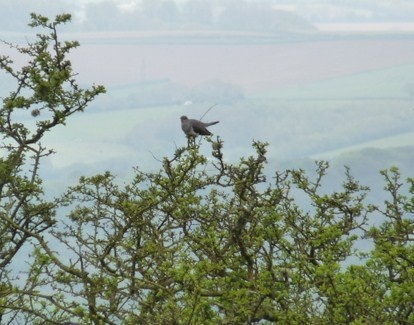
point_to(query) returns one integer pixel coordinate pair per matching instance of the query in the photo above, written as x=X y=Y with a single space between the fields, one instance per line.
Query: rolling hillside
x=317 y=99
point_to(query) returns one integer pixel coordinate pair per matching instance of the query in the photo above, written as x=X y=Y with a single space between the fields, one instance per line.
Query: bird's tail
x=212 y=123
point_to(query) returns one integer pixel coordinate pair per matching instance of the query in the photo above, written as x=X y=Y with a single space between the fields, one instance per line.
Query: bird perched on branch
x=193 y=127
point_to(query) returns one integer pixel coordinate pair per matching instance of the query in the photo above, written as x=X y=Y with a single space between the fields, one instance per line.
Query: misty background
x=316 y=80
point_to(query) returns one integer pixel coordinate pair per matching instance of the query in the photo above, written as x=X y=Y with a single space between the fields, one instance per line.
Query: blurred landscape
x=280 y=73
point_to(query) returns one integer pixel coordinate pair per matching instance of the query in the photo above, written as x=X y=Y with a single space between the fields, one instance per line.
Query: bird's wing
x=199 y=127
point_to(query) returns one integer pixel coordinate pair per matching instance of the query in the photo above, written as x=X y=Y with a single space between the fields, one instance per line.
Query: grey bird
x=193 y=127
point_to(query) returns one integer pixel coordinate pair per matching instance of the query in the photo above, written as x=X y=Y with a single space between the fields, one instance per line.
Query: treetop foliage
x=200 y=241
x=46 y=88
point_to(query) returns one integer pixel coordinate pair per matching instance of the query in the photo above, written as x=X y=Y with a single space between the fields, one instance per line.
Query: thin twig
x=208 y=111
x=153 y=156
x=199 y=141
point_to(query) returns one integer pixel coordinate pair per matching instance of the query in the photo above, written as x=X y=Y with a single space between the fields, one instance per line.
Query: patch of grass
x=394 y=141
x=389 y=83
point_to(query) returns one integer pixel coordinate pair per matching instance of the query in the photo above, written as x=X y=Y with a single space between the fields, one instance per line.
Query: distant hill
x=253 y=63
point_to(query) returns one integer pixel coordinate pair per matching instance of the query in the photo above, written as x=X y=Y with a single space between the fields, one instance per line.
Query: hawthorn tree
x=200 y=241
x=47 y=92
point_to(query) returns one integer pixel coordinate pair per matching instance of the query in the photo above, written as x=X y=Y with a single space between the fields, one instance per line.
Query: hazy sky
x=14 y=15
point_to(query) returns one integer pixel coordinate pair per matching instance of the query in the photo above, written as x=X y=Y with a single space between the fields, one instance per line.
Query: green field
x=388 y=83
x=382 y=94
x=403 y=140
